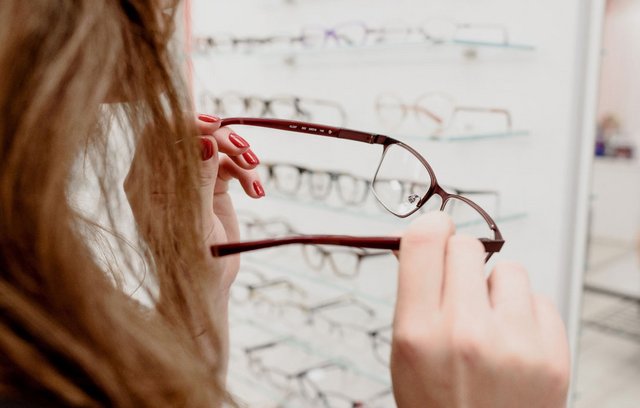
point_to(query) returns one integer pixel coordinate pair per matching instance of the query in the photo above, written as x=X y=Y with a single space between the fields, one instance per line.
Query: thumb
x=208 y=171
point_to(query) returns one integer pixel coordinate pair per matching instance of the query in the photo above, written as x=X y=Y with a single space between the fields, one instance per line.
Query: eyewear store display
x=359 y=34
x=317 y=281
x=432 y=116
x=283 y=107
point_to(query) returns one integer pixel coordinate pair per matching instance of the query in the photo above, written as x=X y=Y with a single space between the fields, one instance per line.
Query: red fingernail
x=208 y=118
x=207 y=149
x=257 y=187
x=238 y=141
x=251 y=157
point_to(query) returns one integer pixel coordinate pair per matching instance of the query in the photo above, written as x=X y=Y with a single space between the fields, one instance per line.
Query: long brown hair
x=68 y=330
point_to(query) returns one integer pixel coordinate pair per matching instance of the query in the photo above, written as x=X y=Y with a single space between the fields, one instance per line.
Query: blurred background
x=526 y=108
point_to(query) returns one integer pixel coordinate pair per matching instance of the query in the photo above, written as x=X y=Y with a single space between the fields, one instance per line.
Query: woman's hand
x=225 y=156
x=461 y=340
x=238 y=162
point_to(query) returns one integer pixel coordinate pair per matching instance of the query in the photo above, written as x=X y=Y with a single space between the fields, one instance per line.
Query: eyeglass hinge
x=376 y=139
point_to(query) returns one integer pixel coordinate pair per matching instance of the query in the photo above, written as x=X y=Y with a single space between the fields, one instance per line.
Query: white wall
x=537 y=174
x=533 y=173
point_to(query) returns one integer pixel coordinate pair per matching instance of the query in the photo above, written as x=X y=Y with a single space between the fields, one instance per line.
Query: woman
x=71 y=336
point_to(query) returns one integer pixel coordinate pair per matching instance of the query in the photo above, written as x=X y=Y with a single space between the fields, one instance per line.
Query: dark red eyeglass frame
x=390 y=243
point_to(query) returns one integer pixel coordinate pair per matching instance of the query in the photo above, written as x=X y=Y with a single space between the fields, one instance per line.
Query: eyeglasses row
x=344 y=262
x=321 y=184
x=360 y=34
x=310 y=385
x=338 y=317
x=432 y=114
x=283 y=106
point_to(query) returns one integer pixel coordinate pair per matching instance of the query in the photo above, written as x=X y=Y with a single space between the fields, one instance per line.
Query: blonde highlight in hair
x=68 y=331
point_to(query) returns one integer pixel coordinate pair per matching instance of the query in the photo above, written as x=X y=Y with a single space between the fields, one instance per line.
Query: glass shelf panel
x=460 y=138
x=379 y=216
x=293 y=51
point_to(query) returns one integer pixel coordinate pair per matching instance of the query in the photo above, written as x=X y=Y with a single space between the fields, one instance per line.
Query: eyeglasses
x=333 y=317
x=437 y=112
x=350 y=34
x=289 y=179
x=357 y=33
x=320 y=397
x=344 y=262
x=334 y=399
x=398 y=161
x=303 y=389
x=278 y=377
x=444 y=30
x=405 y=188
x=228 y=42
x=303 y=385
x=381 y=343
x=253 y=286
x=433 y=31
x=282 y=107
x=253 y=227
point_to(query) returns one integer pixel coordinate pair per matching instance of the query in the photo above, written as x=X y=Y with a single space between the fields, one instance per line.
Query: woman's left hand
x=225 y=156
x=237 y=161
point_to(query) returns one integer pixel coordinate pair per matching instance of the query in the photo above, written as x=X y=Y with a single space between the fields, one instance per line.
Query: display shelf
x=530 y=80
x=472 y=137
x=317 y=278
x=468 y=49
x=310 y=349
x=486 y=44
x=359 y=212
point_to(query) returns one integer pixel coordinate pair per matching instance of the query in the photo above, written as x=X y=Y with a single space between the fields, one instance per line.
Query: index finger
x=421 y=271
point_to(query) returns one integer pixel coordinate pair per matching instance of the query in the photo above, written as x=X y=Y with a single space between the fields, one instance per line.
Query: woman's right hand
x=461 y=340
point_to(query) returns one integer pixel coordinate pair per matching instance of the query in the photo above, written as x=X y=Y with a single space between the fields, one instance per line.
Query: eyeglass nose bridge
x=434 y=189
x=331 y=33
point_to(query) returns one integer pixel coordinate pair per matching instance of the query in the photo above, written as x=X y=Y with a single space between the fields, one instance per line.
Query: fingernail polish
x=251 y=157
x=257 y=187
x=208 y=118
x=207 y=149
x=238 y=141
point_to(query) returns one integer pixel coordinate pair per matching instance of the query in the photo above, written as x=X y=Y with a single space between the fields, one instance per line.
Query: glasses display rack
x=483 y=97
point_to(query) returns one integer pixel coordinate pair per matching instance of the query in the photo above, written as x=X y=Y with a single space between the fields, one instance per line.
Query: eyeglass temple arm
x=427 y=112
x=389 y=243
x=310 y=128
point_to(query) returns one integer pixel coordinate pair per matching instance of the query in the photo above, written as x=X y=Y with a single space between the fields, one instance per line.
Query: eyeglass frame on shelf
x=417 y=109
x=360 y=254
x=334 y=180
x=254 y=289
x=266 y=104
x=389 y=243
x=314 y=313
